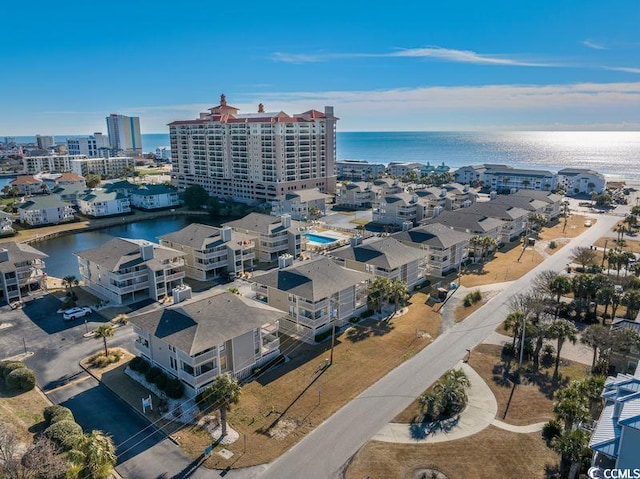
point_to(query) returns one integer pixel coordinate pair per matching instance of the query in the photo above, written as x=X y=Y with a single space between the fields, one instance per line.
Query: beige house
x=274 y=236
x=357 y=194
x=27 y=185
x=199 y=339
x=21 y=270
x=125 y=270
x=396 y=209
x=313 y=294
x=475 y=224
x=299 y=203
x=71 y=179
x=211 y=252
x=385 y=257
x=445 y=249
x=514 y=220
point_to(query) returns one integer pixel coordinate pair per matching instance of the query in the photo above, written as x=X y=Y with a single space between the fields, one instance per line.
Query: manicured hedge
x=21 y=379
x=9 y=366
x=57 y=413
x=64 y=433
x=174 y=388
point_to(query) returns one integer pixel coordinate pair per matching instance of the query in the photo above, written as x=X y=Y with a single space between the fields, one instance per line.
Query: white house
x=125 y=270
x=28 y=185
x=21 y=270
x=576 y=181
x=300 y=203
x=6 y=224
x=476 y=224
x=395 y=209
x=445 y=249
x=357 y=194
x=313 y=294
x=615 y=440
x=199 y=339
x=154 y=197
x=384 y=257
x=71 y=179
x=44 y=210
x=104 y=203
x=358 y=170
x=211 y=252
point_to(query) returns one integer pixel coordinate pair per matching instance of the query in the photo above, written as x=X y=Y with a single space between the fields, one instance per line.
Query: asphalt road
x=324 y=452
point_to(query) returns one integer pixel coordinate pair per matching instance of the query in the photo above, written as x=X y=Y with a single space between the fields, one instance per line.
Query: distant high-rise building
x=94 y=146
x=124 y=134
x=45 y=142
x=257 y=156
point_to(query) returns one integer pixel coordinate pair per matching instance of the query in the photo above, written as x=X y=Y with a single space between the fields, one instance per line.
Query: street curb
x=156 y=429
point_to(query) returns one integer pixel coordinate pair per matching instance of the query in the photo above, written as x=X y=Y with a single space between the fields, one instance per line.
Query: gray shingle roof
x=199 y=324
x=497 y=210
x=305 y=195
x=524 y=202
x=469 y=221
x=387 y=253
x=435 y=235
x=200 y=237
x=313 y=280
x=18 y=253
x=545 y=196
x=120 y=253
x=261 y=223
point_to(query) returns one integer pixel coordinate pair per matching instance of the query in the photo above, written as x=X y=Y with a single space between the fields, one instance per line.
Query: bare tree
x=44 y=460
x=584 y=256
x=543 y=281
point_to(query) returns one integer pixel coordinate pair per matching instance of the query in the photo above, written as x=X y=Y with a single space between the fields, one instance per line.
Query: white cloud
x=435 y=52
x=593 y=45
x=623 y=69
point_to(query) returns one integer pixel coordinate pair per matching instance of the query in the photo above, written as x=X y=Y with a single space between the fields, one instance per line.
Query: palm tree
x=488 y=244
x=315 y=212
x=596 y=336
x=604 y=297
x=570 y=446
x=570 y=405
x=562 y=330
x=451 y=390
x=69 y=282
x=379 y=292
x=559 y=286
x=615 y=302
x=95 y=455
x=398 y=291
x=621 y=229
x=103 y=332
x=513 y=323
x=223 y=392
x=537 y=221
x=631 y=299
x=475 y=242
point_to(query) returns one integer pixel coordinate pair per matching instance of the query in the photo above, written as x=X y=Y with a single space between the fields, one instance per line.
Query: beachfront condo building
x=124 y=134
x=254 y=157
x=80 y=164
x=92 y=146
x=358 y=170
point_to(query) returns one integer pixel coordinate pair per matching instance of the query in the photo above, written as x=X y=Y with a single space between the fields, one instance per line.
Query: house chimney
x=225 y=234
x=285 y=260
x=407 y=225
x=146 y=251
x=286 y=221
x=356 y=240
x=4 y=255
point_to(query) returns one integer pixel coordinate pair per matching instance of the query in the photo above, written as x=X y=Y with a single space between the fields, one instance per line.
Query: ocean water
x=615 y=154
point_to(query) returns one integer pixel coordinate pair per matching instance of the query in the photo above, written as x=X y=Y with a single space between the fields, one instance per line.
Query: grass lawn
x=503 y=267
x=461 y=312
x=359 y=221
x=532 y=401
x=85 y=298
x=278 y=409
x=491 y=454
x=575 y=227
x=163 y=170
x=23 y=411
x=630 y=245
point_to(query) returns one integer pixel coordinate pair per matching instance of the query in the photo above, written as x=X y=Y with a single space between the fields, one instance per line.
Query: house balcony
x=134 y=287
x=174 y=276
x=269 y=343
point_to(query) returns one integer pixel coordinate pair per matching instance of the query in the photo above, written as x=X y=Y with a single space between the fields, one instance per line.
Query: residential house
x=387 y=186
x=27 y=185
x=473 y=223
x=507 y=179
x=552 y=201
x=44 y=210
x=358 y=170
x=120 y=186
x=445 y=249
x=274 y=236
x=357 y=194
x=71 y=193
x=580 y=181
x=6 y=224
x=615 y=440
x=98 y=203
x=401 y=169
x=515 y=220
x=626 y=361
x=71 y=179
x=21 y=270
x=313 y=294
x=452 y=196
x=299 y=204
x=126 y=270
x=199 y=339
x=211 y=252
x=154 y=197
x=474 y=174
x=396 y=209
x=384 y=257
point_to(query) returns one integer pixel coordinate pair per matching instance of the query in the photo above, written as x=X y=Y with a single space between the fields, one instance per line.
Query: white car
x=587 y=223
x=75 y=313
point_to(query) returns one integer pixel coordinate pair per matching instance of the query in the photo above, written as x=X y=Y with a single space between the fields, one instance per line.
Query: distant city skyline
x=414 y=66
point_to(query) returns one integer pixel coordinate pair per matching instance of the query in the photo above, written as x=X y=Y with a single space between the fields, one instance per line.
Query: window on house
x=223 y=363
x=187 y=368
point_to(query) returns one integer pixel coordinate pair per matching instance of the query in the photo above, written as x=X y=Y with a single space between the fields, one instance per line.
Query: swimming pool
x=318 y=239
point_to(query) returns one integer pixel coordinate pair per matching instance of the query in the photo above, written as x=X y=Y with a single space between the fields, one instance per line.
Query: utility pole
x=604 y=255
x=333 y=331
x=524 y=323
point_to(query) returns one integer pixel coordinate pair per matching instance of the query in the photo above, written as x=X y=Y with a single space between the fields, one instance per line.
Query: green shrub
x=152 y=374
x=9 y=366
x=354 y=320
x=161 y=380
x=322 y=336
x=136 y=363
x=551 y=430
x=65 y=434
x=367 y=314
x=467 y=301
x=143 y=366
x=508 y=350
x=174 y=388
x=57 y=413
x=476 y=296
x=553 y=245
x=21 y=379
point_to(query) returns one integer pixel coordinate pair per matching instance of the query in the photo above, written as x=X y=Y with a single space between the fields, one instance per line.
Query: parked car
x=75 y=313
x=587 y=223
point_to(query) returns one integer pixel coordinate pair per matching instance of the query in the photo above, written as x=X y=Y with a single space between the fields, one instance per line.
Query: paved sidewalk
x=479 y=413
x=529 y=428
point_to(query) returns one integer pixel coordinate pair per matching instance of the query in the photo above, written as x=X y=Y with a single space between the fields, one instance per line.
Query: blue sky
x=424 y=65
